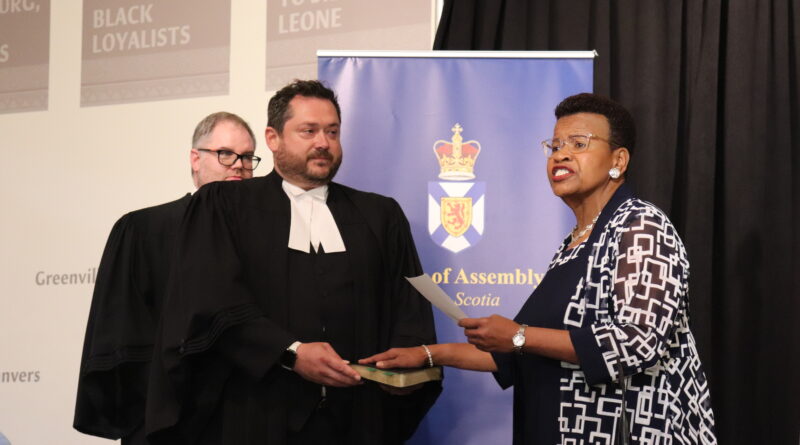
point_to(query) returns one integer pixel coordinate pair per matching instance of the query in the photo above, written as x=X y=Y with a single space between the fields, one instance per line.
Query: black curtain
x=713 y=86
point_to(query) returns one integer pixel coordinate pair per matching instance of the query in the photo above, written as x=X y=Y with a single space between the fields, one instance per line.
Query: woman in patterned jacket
x=610 y=320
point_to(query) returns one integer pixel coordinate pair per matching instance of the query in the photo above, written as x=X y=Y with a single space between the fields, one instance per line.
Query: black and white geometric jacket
x=630 y=311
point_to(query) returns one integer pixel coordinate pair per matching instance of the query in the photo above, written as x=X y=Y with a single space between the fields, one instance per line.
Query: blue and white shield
x=455 y=213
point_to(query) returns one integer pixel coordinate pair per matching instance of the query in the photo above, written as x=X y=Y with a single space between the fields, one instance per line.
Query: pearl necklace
x=582 y=232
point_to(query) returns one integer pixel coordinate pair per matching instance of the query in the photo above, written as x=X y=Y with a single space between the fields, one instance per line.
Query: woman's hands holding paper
x=490 y=334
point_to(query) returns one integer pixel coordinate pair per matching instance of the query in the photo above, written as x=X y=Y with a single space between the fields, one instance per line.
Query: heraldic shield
x=455 y=213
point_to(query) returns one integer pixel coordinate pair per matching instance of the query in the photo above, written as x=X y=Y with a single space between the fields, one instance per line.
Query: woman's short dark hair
x=278 y=111
x=620 y=121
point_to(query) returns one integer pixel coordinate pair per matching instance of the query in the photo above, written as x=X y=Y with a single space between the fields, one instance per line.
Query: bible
x=399 y=378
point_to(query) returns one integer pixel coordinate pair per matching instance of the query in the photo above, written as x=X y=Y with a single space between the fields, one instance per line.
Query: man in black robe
x=277 y=282
x=130 y=285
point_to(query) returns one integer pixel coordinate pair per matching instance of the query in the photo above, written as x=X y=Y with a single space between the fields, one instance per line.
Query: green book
x=399 y=378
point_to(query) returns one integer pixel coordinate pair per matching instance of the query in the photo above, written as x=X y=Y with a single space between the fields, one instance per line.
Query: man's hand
x=319 y=363
x=490 y=334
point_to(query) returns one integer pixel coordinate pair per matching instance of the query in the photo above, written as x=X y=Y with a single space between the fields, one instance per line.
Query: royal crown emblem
x=456 y=207
x=456 y=157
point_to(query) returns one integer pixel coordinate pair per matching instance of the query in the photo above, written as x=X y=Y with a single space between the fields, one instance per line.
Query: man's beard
x=297 y=167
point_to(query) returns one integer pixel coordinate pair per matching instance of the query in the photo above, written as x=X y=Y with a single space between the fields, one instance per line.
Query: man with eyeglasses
x=131 y=283
x=279 y=281
x=223 y=147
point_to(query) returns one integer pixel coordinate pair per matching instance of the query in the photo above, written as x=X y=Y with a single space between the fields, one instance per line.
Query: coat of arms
x=455 y=206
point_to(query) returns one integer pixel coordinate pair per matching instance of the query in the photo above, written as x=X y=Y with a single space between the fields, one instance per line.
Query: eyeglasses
x=228 y=158
x=576 y=143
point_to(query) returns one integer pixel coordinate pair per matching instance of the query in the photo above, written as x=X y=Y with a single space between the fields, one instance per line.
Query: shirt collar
x=319 y=193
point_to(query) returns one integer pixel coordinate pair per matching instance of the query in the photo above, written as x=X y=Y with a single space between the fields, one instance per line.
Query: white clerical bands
x=312 y=223
x=430 y=357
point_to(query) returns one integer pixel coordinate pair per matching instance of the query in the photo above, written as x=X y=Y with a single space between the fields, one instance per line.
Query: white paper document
x=433 y=293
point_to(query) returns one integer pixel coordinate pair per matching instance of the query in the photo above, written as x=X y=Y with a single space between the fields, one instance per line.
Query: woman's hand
x=490 y=334
x=398 y=358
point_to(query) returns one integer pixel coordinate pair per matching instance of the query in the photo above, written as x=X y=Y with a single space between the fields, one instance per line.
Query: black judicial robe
x=216 y=377
x=123 y=318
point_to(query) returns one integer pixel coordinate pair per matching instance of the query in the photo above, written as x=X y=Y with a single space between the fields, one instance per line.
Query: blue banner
x=456 y=141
